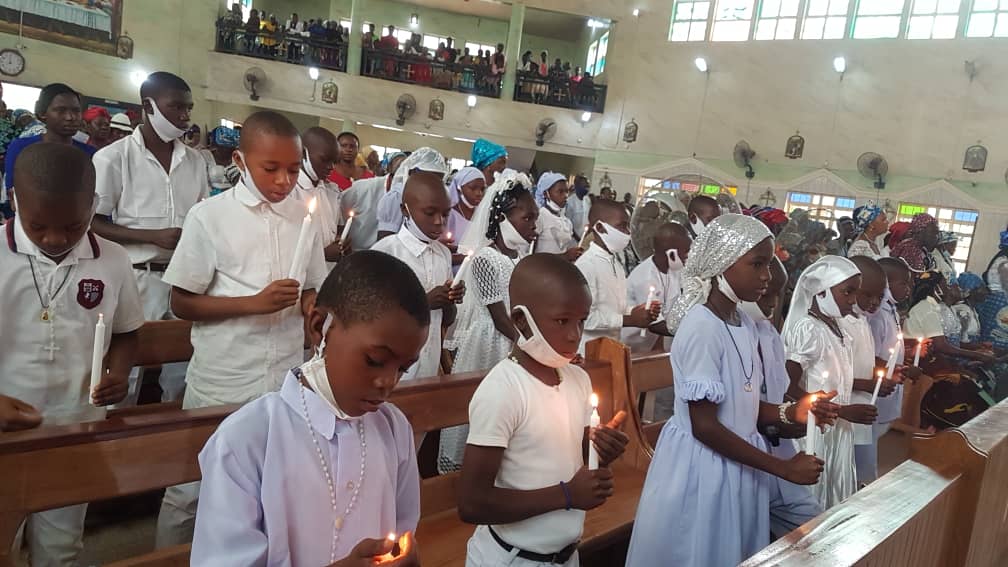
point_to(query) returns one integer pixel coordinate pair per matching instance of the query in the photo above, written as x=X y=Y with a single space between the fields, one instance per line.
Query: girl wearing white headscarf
x=819 y=350
x=501 y=232
x=466 y=192
x=556 y=232
x=706 y=486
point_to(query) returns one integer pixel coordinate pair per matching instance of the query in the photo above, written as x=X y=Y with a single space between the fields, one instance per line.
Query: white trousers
x=177 y=519
x=55 y=538
x=484 y=551
x=155 y=295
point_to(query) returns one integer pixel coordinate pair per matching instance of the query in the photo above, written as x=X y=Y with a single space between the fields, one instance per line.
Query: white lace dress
x=480 y=345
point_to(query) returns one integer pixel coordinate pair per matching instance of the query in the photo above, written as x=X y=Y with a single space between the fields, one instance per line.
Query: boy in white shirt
x=321 y=151
x=362 y=199
x=660 y=272
x=231 y=276
x=57 y=278
x=701 y=211
x=610 y=223
x=524 y=480
x=146 y=184
x=390 y=206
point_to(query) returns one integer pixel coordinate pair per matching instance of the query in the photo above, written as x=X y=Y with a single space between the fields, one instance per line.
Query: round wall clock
x=12 y=62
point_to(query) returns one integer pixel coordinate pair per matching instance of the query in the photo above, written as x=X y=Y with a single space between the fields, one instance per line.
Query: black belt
x=559 y=558
x=151 y=267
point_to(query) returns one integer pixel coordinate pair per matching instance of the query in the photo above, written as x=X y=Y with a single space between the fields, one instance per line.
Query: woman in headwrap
x=921 y=239
x=706 y=487
x=556 y=232
x=973 y=292
x=992 y=275
x=897 y=232
x=932 y=319
x=466 y=193
x=775 y=220
x=97 y=122
x=870 y=222
x=942 y=255
x=224 y=174
x=490 y=158
x=820 y=357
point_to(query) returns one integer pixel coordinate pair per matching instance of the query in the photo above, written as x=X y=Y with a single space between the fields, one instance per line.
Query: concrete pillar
x=354 y=49
x=349 y=125
x=512 y=51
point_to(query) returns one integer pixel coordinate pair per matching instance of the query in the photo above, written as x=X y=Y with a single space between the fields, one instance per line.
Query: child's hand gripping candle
x=596 y=421
x=584 y=238
x=303 y=244
x=878 y=384
x=97 y=355
x=463 y=268
x=650 y=300
x=346 y=227
x=401 y=552
x=917 y=351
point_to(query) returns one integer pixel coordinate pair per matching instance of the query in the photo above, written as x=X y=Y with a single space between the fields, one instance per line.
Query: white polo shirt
x=234 y=245
x=327 y=208
x=48 y=363
x=362 y=198
x=667 y=288
x=431 y=262
x=136 y=192
x=607 y=283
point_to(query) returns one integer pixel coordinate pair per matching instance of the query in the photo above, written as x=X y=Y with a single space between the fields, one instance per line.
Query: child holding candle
x=556 y=232
x=57 y=279
x=504 y=224
x=353 y=454
x=426 y=206
x=706 y=497
x=610 y=225
x=229 y=275
x=320 y=153
x=820 y=356
x=524 y=481
x=466 y=192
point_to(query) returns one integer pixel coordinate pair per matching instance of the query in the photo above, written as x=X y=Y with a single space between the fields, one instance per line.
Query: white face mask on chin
x=513 y=240
x=828 y=305
x=697 y=226
x=161 y=125
x=413 y=229
x=247 y=180
x=674 y=262
x=309 y=169
x=316 y=377
x=537 y=346
x=613 y=238
x=727 y=289
x=754 y=311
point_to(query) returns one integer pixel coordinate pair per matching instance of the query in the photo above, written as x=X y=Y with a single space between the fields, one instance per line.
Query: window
x=989 y=18
x=228 y=123
x=475 y=48
x=878 y=19
x=777 y=19
x=933 y=19
x=385 y=152
x=433 y=41
x=823 y=208
x=20 y=96
x=732 y=19
x=689 y=20
x=590 y=62
x=456 y=164
x=962 y=222
x=825 y=19
x=403 y=36
x=595 y=64
x=347 y=24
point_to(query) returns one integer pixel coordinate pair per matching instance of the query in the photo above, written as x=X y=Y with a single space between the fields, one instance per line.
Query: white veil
x=823 y=274
x=424 y=159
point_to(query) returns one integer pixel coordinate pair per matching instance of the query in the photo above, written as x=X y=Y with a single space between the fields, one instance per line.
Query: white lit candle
x=650 y=300
x=810 y=430
x=303 y=245
x=894 y=357
x=388 y=556
x=346 y=227
x=593 y=458
x=878 y=385
x=98 y=354
x=463 y=267
x=584 y=238
x=532 y=247
x=920 y=343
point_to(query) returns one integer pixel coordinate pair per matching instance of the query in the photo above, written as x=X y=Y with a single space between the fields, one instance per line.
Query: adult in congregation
x=120 y=126
x=578 y=205
x=992 y=275
x=345 y=171
x=490 y=158
x=362 y=200
x=915 y=248
x=870 y=222
x=97 y=123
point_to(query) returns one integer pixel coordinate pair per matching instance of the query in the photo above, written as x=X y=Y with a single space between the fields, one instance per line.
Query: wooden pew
x=159 y=342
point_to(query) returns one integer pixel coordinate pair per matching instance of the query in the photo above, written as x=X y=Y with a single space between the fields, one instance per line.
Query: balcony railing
x=560 y=92
x=420 y=70
x=326 y=50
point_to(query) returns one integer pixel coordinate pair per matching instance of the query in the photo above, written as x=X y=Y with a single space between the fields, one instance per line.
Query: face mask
x=581 y=191
x=552 y=207
x=858 y=312
x=828 y=305
x=246 y=178
x=753 y=310
x=614 y=239
x=726 y=289
x=308 y=169
x=939 y=293
x=466 y=201
x=315 y=376
x=674 y=263
x=511 y=237
x=697 y=226
x=536 y=346
x=161 y=125
x=413 y=229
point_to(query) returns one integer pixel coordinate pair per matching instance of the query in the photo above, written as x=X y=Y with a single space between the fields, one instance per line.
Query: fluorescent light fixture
x=428 y=134
x=701 y=64
x=313 y=73
x=384 y=127
x=585 y=116
x=636 y=12
x=593 y=23
x=138 y=76
x=414 y=20
x=839 y=64
x=471 y=101
x=464 y=140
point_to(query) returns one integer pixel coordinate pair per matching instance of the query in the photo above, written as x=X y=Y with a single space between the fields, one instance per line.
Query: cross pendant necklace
x=46 y=312
x=52 y=348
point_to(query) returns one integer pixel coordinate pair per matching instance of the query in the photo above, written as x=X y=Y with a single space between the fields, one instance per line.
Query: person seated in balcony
x=559 y=85
x=294 y=29
x=252 y=31
x=269 y=36
x=441 y=55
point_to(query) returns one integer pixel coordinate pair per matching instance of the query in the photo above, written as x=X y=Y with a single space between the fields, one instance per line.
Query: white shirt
x=540 y=428
x=863 y=350
x=577 y=211
x=327 y=207
x=362 y=198
x=555 y=232
x=431 y=262
x=667 y=288
x=607 y=283
x=95 y=277
x=885 y=327
x=924 y=320
x=390 y=216
x=234 y=245
x=136 y=192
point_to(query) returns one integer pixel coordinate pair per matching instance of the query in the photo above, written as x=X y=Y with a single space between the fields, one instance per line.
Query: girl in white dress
x=502 y=231
x=466 y=192
x=870 y=222
x=556 y=232
x=820 y=357
x=705 y=502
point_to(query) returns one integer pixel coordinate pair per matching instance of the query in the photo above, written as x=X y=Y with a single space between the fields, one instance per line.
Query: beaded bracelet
x=567 y=496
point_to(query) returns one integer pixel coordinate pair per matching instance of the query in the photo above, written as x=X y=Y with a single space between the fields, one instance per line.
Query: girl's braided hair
x=502 y=204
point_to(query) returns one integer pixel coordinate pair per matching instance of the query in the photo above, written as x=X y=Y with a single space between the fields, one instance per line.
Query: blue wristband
x=566 y=492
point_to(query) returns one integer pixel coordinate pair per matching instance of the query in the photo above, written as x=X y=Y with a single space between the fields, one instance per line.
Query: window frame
x=705 y=22
x=815 y=205
x=714 y=20
x=757 y=19
x=827 y=16
x=910 y=16
x=997 y=12
x=858 y=17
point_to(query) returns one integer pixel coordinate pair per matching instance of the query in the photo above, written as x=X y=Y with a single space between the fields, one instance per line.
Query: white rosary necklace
x=337 y=519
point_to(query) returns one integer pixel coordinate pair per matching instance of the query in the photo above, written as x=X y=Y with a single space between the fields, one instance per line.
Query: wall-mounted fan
x=405 y=107
x=254 y=80
x=743 y=155
x=545 y=130
x=873 y=166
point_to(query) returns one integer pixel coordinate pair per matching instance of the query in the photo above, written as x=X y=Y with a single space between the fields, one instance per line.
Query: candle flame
x=652 y=289
x=594 y=400
x=352 y=213
x=899 y=336
x=469 y=253
x=814 y=398
x=391 y=536
x=880 y=373
x=311 y=205
x=101 y=317
x=920 y=339
x=892 y=351
x=448 y=235
x=825 y=374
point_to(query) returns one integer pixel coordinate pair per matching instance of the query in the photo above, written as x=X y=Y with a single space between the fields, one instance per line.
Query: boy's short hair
x=701 y=202
x=346 y=134
x=898 y=264
x=50 y=92
x=602 y=207
x=54 y=168
x=266 y=122
x=367 y=284
x=160 y=81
